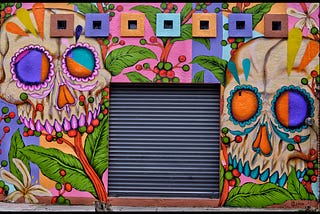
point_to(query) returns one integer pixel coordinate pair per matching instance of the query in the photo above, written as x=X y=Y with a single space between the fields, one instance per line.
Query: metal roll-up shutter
x=164 y=140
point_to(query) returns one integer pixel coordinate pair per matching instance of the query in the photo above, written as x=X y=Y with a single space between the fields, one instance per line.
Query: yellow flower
x=305 y=18
x=26 y=190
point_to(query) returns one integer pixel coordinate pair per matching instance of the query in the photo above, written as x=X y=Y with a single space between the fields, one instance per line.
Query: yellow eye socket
x=244 y=105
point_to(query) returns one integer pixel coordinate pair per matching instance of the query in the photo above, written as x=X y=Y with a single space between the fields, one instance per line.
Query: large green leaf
x=87 y=8
x=125 y=57
x=51 y=161
x=204 y=41
x=221 y=179
x=185 y=11
x=150 y=13
x=136 y=77
x=96 y=147
x=297 y=190
x=258 y=12
x=257 y=195
x=214 y=64
x=198 y=77
x=14 y=152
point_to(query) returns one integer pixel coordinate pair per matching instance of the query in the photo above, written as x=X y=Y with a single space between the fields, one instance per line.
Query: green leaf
x=87 y=8
x=185 y=11
x=258 y=12
x=125 y=57
x=204 y=41
x=51 y=161
x=186 y=34
x=297 y=190
x=198 y=77
x=150 y=13
x=96 y=147
x=257 y=195
x=221 y=177
x=136 y=77
x=214 y=64
x=14 y=152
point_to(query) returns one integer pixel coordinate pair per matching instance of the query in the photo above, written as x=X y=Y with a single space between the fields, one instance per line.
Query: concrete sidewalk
x=21 y=207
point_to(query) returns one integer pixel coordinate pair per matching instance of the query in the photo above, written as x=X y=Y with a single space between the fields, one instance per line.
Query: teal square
x=168 y=25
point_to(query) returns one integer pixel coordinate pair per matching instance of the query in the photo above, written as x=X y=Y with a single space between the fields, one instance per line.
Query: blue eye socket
x=80 y=62
x=32 y=67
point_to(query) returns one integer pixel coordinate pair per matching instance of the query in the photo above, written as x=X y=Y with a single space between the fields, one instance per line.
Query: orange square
x=132 y=19
x=204 y=25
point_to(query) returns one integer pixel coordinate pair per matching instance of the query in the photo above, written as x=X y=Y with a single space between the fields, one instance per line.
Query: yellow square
x=204 y=25
x=137 y=18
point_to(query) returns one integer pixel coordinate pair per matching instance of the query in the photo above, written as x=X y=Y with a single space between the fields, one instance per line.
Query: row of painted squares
x=168 y=25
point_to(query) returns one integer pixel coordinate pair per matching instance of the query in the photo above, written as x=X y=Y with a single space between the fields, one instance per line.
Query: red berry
x=169 y=6
x=232 y=51
x=314 y=178
x=6 y=129
x=316 y=172
x=12 y=115
x=30 y=132
x=62 y=172
x=163 y=73
x=105 y=111
x=205 y=11
x=240 y=44
x=232 y=182
x=95 y=122
x=156 y=69
x=2 y=13
x=238 y=139
x=314 y=73
x=25 y=134
x=8 y=10
x=312 y=151
x=1 y=190
x=49 y=137
x=246 y=4
x=236 y=173
x=72 y=133
x=68 y=187
x=153 y=39
x=310 y=165
x=182 y=58
x=119 y=8
x=170 y=74
x=122 y=42
x=297 y=139
x=54 y=200
x=59 y=141
x=39 y=107
x=166 y=11
x=231 y=40
x=90 y=129
x=138 y=67
x=158 y=81
x=82 y=98
x=303 y=182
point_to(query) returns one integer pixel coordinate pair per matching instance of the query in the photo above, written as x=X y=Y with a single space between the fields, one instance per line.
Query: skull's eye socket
x=80 y=62
x=244 y=104
x=32 y=67
x=291 y=106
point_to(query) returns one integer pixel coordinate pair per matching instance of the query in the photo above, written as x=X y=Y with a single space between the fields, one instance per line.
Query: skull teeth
x=256 y=173
x=64 y=125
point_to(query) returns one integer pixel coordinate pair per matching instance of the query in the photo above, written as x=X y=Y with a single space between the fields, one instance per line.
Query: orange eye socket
x=244 y=104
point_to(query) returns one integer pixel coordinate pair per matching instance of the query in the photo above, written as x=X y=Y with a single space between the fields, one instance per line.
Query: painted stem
x=99 y=187
x=225 y=188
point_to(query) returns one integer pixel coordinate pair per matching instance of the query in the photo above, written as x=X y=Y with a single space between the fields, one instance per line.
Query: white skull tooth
x=39 y=126
x=82 y=120
x=66 y=125
x=57 y=126
x=74 y=122
x=48 y=127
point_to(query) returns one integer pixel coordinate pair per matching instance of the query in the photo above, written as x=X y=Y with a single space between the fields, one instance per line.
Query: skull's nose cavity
x=262 y=143
x=65 y=97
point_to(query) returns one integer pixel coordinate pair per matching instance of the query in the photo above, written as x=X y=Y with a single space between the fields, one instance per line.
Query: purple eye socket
x=32 y=67
x=80 y=62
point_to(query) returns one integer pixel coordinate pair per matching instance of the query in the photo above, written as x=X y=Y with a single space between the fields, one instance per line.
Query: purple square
x=240 y=25
x=97 y=25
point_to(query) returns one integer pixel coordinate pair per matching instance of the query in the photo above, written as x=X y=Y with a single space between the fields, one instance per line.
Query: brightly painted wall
x=54 y=96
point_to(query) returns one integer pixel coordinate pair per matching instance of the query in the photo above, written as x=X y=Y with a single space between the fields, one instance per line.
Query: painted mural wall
x=54 y=90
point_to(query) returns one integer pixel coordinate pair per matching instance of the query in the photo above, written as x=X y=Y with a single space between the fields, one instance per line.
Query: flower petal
x=313 y=23
x=293 y=12
x=300 y=24
x=313 y=7
x=30 y=199
x=12 y=197
x=39 y=191
x=24 y=171
x=10 y=178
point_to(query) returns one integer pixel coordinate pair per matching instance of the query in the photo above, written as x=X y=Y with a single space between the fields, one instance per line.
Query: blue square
x=240 y=25
x=168 y=25
x=97 y=25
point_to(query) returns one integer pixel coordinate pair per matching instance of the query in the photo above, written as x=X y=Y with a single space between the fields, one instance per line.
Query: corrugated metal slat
x=164 y=140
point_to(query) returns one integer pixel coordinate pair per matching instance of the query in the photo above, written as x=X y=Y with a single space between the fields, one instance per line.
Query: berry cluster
x=4 y=189
x=168 y=7
x=232 y=176
x=201 y=6
x=62 y=188
x=111 y=8
x=110 y=40
x=312 y=171
x=226 y=140
x=6 y=10
x=234 y=43
x=6 y=116
x=164 y=73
